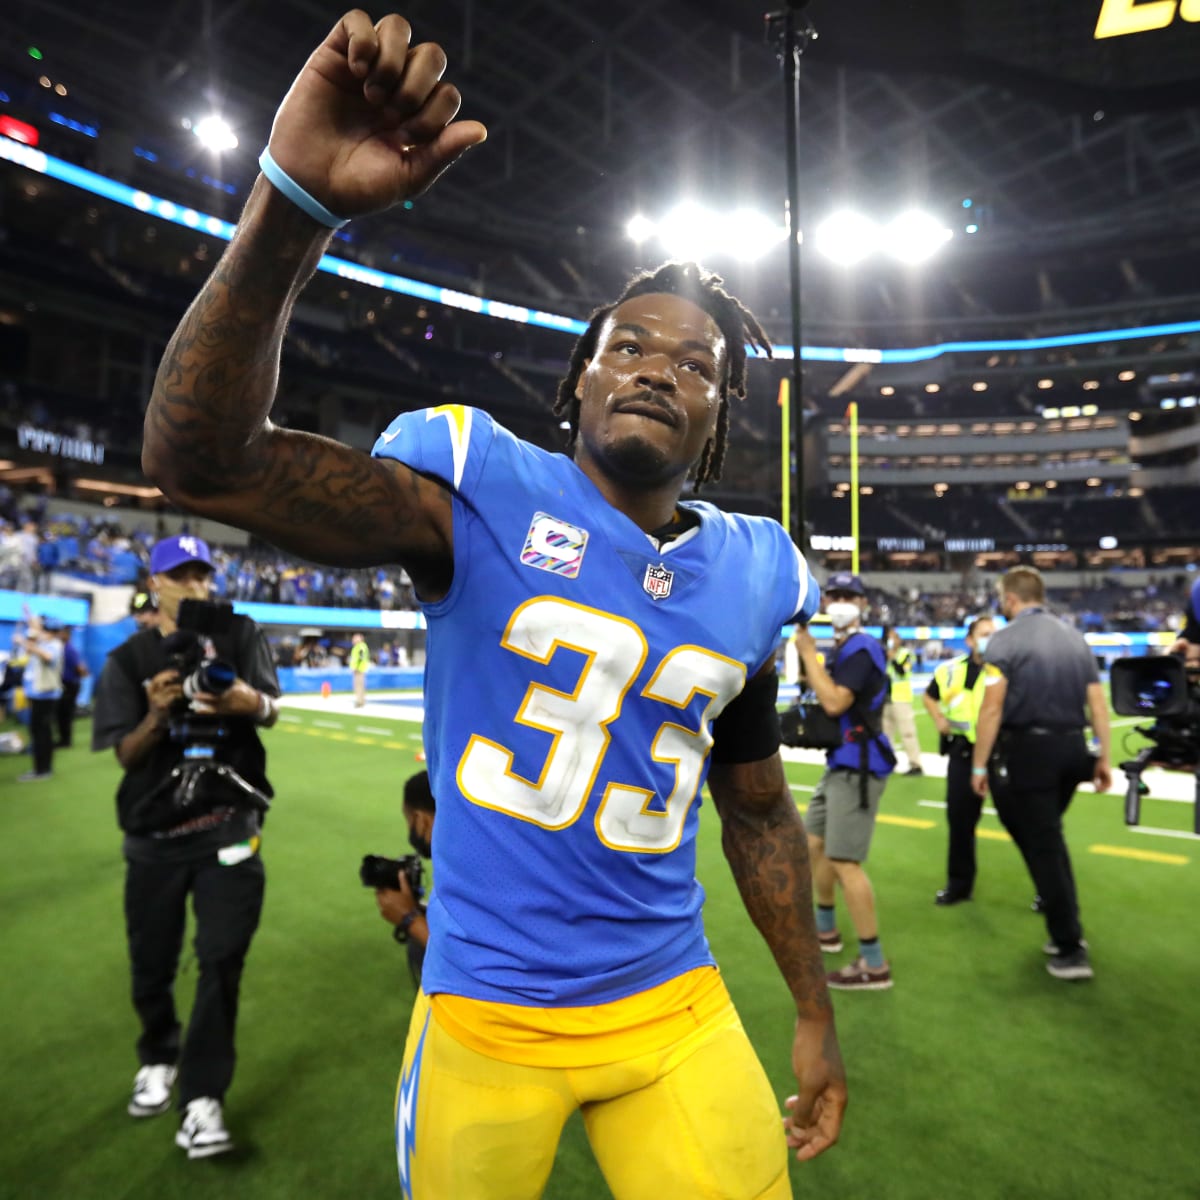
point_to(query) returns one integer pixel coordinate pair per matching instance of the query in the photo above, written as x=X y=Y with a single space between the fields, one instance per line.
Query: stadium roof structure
x=1077 y=154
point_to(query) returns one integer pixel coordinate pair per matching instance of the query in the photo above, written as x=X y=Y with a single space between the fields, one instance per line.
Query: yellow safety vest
x=360 y=657
x=901 y=684
x=960 y=707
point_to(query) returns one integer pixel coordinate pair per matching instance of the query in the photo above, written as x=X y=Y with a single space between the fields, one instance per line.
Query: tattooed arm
x=764 y=841
x=367 y=123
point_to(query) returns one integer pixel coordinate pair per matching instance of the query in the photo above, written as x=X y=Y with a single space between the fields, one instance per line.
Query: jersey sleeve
x=449 y=442
x=808 y=599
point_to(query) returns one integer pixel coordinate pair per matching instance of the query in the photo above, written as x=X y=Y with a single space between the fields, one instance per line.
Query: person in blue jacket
x=841 y=816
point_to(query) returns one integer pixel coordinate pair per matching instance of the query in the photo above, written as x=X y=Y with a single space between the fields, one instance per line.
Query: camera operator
x=841 y=816
x=953 y=699
x=176 y=844
x=1040 y=679
x=397 y=904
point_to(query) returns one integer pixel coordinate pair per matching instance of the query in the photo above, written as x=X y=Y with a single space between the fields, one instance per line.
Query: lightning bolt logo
x=458 y=418
x=406 y=1114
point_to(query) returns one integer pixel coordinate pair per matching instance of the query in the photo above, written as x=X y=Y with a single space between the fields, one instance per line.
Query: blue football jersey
x=573 y=674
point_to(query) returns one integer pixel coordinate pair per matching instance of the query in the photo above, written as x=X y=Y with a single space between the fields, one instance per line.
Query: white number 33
x=630 y=818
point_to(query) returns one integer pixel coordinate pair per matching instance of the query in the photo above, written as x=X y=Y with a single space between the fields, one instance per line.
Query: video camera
x=1158 y=687
x=377 y=872
x=199 y=784
x=806 y=725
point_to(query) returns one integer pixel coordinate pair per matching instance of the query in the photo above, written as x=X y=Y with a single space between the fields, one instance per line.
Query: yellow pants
x=695 y=1121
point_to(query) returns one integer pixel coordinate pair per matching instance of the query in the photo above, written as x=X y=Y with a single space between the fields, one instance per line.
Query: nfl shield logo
x=658 y=581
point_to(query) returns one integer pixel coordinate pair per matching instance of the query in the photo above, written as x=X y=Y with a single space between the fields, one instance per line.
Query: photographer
x=953 y=700
x=397 y=904
x=190 y=806
x=841 y=816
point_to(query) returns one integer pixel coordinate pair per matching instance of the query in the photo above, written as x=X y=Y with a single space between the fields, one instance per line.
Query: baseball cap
x=844 y=581
x=174 y=552
x=52 y=624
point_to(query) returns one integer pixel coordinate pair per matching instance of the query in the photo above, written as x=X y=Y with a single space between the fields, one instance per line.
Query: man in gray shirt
x=1041 y=688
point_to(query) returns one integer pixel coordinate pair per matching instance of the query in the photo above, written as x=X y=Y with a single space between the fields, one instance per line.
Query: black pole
x=790 y=34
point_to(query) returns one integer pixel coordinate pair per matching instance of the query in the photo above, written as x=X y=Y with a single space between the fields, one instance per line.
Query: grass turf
x=976 y=1075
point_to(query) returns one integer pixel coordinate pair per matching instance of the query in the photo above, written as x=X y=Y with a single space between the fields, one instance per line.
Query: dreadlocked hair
x=738 y=326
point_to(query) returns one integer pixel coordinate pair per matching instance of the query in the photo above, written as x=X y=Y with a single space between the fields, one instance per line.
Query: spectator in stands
x=74 y=671
x=359 y=662
x=850 y=686
x=898 y=722
x=398 y=905
x=48 y=556
x=953 y=699
x=43 y=687
x=12 y=561
x=385 y=588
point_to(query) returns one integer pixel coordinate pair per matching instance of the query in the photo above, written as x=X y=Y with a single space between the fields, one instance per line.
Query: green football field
x=977 y=1076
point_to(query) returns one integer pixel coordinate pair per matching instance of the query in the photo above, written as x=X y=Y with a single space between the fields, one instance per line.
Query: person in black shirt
x=1040 y=683
x=210 y=854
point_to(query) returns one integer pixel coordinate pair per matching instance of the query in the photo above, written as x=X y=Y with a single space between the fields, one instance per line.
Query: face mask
x=981 y=645
x=842 y=614
x=421 y=845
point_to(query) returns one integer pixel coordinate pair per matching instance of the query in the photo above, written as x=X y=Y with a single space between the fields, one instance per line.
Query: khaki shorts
x=836 y=814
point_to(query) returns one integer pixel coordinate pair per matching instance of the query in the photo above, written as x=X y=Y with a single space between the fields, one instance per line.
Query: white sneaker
x=203 y=1131
x=152 y=1090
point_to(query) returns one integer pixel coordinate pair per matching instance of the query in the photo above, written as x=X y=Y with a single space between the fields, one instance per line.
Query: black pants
x=227 y=902
x=963 y=807
x=65 y=713
x=1043 y=771
x=41 y=734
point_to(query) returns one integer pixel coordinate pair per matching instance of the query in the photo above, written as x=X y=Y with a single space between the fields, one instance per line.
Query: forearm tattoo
x=764 y=841
x=208 y=437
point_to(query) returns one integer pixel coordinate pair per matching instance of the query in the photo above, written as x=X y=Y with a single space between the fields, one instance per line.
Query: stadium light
x=215 y=133
x=640 y=228
x=913 y=237
x=847 y=237
x=692 y=231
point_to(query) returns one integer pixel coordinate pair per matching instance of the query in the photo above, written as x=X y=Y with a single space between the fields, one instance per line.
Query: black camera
x=377 y=872
x=186 y=648
x=199 y=784
x=1159 y=688
x=808 y=726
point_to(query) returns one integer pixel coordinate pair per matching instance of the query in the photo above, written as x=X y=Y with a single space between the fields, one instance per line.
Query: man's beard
x=634 y=460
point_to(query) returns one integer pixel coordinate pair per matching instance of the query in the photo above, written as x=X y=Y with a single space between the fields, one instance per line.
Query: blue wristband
x=296 y=194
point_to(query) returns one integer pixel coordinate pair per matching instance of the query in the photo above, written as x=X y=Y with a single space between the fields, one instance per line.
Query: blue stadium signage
x=46 y=441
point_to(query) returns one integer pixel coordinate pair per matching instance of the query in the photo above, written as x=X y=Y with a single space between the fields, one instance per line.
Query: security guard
x=953 y=699
x=1040 y=680
x=898 y=722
